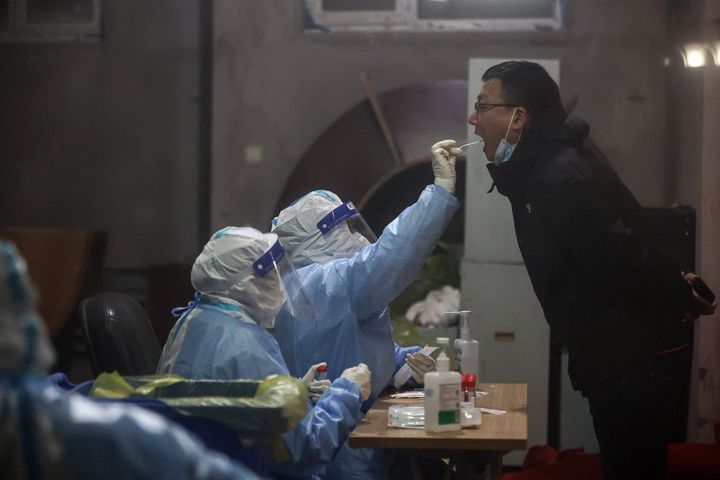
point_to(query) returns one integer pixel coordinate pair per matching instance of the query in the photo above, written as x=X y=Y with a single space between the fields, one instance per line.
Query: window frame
x=358 y=20
x=21 y=30
x=405 y=18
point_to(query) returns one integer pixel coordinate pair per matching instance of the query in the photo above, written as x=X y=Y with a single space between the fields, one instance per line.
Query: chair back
x=119 y=335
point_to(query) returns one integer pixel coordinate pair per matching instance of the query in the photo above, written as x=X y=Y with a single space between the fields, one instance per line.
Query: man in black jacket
x=618 y=305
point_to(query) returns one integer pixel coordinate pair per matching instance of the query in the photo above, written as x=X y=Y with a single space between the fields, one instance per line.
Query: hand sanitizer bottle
x=467 y=349
x=442 y=396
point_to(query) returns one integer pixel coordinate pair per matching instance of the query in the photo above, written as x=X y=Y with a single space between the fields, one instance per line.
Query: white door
x=507 y=319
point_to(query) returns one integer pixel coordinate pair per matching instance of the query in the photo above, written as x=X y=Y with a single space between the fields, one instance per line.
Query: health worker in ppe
x=351 y=277
x=243 y=278
x=48 y=433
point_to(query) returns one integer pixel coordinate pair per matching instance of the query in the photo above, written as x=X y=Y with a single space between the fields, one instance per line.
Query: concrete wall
x=279 y=88
x=708 y=328
x=105 y=136
x=694 y=123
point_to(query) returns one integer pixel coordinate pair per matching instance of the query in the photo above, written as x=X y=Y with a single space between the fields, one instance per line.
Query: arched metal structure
x=352 y=159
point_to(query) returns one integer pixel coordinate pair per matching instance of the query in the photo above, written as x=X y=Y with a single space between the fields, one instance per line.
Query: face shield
x=345 y=231
x=251 y=269
x=273 y=265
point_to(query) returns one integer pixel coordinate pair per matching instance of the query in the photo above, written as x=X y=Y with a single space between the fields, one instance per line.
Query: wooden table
x=468 y=448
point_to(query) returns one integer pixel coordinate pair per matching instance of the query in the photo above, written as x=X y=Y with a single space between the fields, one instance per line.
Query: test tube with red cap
x=321 y=372
x=468 y=384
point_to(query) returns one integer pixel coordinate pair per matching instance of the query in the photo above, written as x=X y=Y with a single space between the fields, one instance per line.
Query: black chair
x=119 y=335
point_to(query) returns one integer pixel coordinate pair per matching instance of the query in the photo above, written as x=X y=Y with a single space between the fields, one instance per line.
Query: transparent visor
x=346 y=214
x=296 y=298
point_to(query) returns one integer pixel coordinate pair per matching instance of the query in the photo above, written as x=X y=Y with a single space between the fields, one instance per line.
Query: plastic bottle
x=321 y=373
x=442 y=395
x=467 y=349
x=444 y=345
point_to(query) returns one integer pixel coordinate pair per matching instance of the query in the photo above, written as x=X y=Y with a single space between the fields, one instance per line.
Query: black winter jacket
x=607 y=294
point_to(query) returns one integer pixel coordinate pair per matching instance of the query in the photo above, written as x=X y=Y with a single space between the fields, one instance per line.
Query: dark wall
x=107 y=136
x=278 y=88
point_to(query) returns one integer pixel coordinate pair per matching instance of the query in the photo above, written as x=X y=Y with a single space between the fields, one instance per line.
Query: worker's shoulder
x=213 y=323
x=315 y=272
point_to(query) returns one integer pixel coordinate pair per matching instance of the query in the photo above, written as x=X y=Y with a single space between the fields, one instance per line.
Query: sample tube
x=468 y=387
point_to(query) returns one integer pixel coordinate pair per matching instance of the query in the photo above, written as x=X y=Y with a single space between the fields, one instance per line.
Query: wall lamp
x=695 y=54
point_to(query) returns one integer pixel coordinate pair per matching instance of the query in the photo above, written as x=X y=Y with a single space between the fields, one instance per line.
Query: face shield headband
x=348 y=213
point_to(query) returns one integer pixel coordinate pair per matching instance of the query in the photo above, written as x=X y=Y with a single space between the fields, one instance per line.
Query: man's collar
x=511 y=176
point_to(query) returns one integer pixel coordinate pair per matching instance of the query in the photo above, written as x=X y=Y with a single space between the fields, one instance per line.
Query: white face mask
x=505 y=149
x=261 y=298
x=345 y=244
x=224 y=269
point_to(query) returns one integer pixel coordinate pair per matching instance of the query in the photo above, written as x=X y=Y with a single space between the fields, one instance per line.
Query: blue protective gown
x=350 y=296
x=63 y=435
x=218 y=341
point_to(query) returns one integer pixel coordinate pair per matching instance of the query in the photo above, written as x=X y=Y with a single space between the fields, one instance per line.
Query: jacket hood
x=574 y=129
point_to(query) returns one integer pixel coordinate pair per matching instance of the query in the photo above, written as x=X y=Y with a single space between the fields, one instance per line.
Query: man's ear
x=521 y=119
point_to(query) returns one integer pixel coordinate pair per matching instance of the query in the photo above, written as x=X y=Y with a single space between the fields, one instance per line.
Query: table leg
x=464 y=464
x=494 y=466
x=415 y=467
x=450 y=468
x=477 y=466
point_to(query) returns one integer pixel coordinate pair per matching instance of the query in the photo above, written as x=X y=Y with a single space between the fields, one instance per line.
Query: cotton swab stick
x=468 y=144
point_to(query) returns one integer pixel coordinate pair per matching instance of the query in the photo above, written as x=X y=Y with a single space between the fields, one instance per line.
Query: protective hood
x=304 y=239
x=24 y=343
x=225 y=268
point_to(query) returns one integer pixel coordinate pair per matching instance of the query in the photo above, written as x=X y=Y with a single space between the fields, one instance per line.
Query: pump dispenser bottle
x=442 y=396
x=467 y=349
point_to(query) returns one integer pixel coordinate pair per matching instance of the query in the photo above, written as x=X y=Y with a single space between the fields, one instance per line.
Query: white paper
x=404 y=373
x=492 y=411
x=421 y=394
x=411 y=394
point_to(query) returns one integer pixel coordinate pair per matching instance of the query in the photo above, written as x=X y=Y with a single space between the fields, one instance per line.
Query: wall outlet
x=253 y=154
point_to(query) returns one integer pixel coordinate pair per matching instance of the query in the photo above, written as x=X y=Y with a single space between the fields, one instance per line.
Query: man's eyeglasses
x=484 y=107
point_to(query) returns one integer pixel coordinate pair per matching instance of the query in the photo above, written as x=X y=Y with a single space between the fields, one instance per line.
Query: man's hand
x=701 y=306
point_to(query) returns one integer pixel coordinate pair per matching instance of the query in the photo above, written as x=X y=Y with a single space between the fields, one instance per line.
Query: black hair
x=528 y=84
